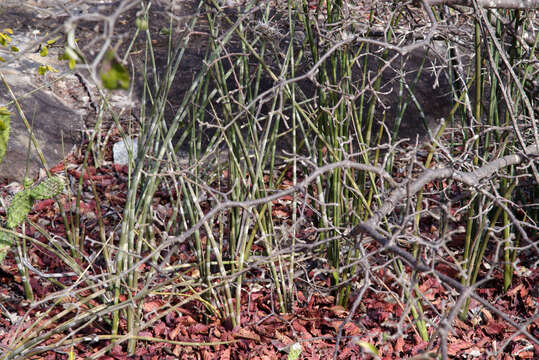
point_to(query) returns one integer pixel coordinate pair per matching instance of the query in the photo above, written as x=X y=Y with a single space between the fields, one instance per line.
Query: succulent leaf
x=19 y=208
x=5 y=245
x=48 y=188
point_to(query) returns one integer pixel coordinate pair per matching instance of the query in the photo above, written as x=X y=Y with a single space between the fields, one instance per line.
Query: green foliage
x=4 y=131
x=368 y=348
x=5 y=39
x=5 y=245
x=24 y=200
x=71 y=56
x=44 y=51
x=48 y=188
x=142 y=24
x=18 y=210
x=295 y=351
x=42 y=69
x=22 y=203
x=164 y=32
x=114 y=74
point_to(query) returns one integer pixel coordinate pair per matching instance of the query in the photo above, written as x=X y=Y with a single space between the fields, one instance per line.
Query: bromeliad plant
x=18 y=210
x=24 y=200
x=22 y=203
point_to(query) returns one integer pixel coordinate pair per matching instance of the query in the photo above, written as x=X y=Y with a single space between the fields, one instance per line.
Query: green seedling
x=5 y=39
x=42 y=69
x=43 y=52
x=295 y=351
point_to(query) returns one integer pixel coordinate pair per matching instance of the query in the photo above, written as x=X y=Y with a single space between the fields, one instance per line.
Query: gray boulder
x=50 y=102
x=55 y=126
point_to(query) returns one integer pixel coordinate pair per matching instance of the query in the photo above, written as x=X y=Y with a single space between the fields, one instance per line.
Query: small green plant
x=71 y=55
x=5 y=39
x=22 y=204
x=43 y=52
x=295 y=351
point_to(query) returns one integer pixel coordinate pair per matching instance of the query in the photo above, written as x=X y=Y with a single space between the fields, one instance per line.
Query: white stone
x=120 y=151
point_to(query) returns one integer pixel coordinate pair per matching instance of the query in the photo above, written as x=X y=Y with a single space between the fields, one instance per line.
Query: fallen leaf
x=457 y=346
x=152 y=305
x=244 y=333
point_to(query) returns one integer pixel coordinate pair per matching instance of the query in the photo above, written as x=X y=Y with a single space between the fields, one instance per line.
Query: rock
x=46 y=108
x=120 y=151
x=411 y=102
x=54 y=104
x=55 y=126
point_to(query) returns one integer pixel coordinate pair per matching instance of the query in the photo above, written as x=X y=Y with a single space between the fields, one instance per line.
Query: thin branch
x=490 y=4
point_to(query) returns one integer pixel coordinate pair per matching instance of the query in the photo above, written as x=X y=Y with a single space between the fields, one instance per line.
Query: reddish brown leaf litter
x=263 y=334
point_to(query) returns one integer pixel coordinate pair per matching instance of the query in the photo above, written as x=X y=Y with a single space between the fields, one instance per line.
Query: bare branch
x=490 y=4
